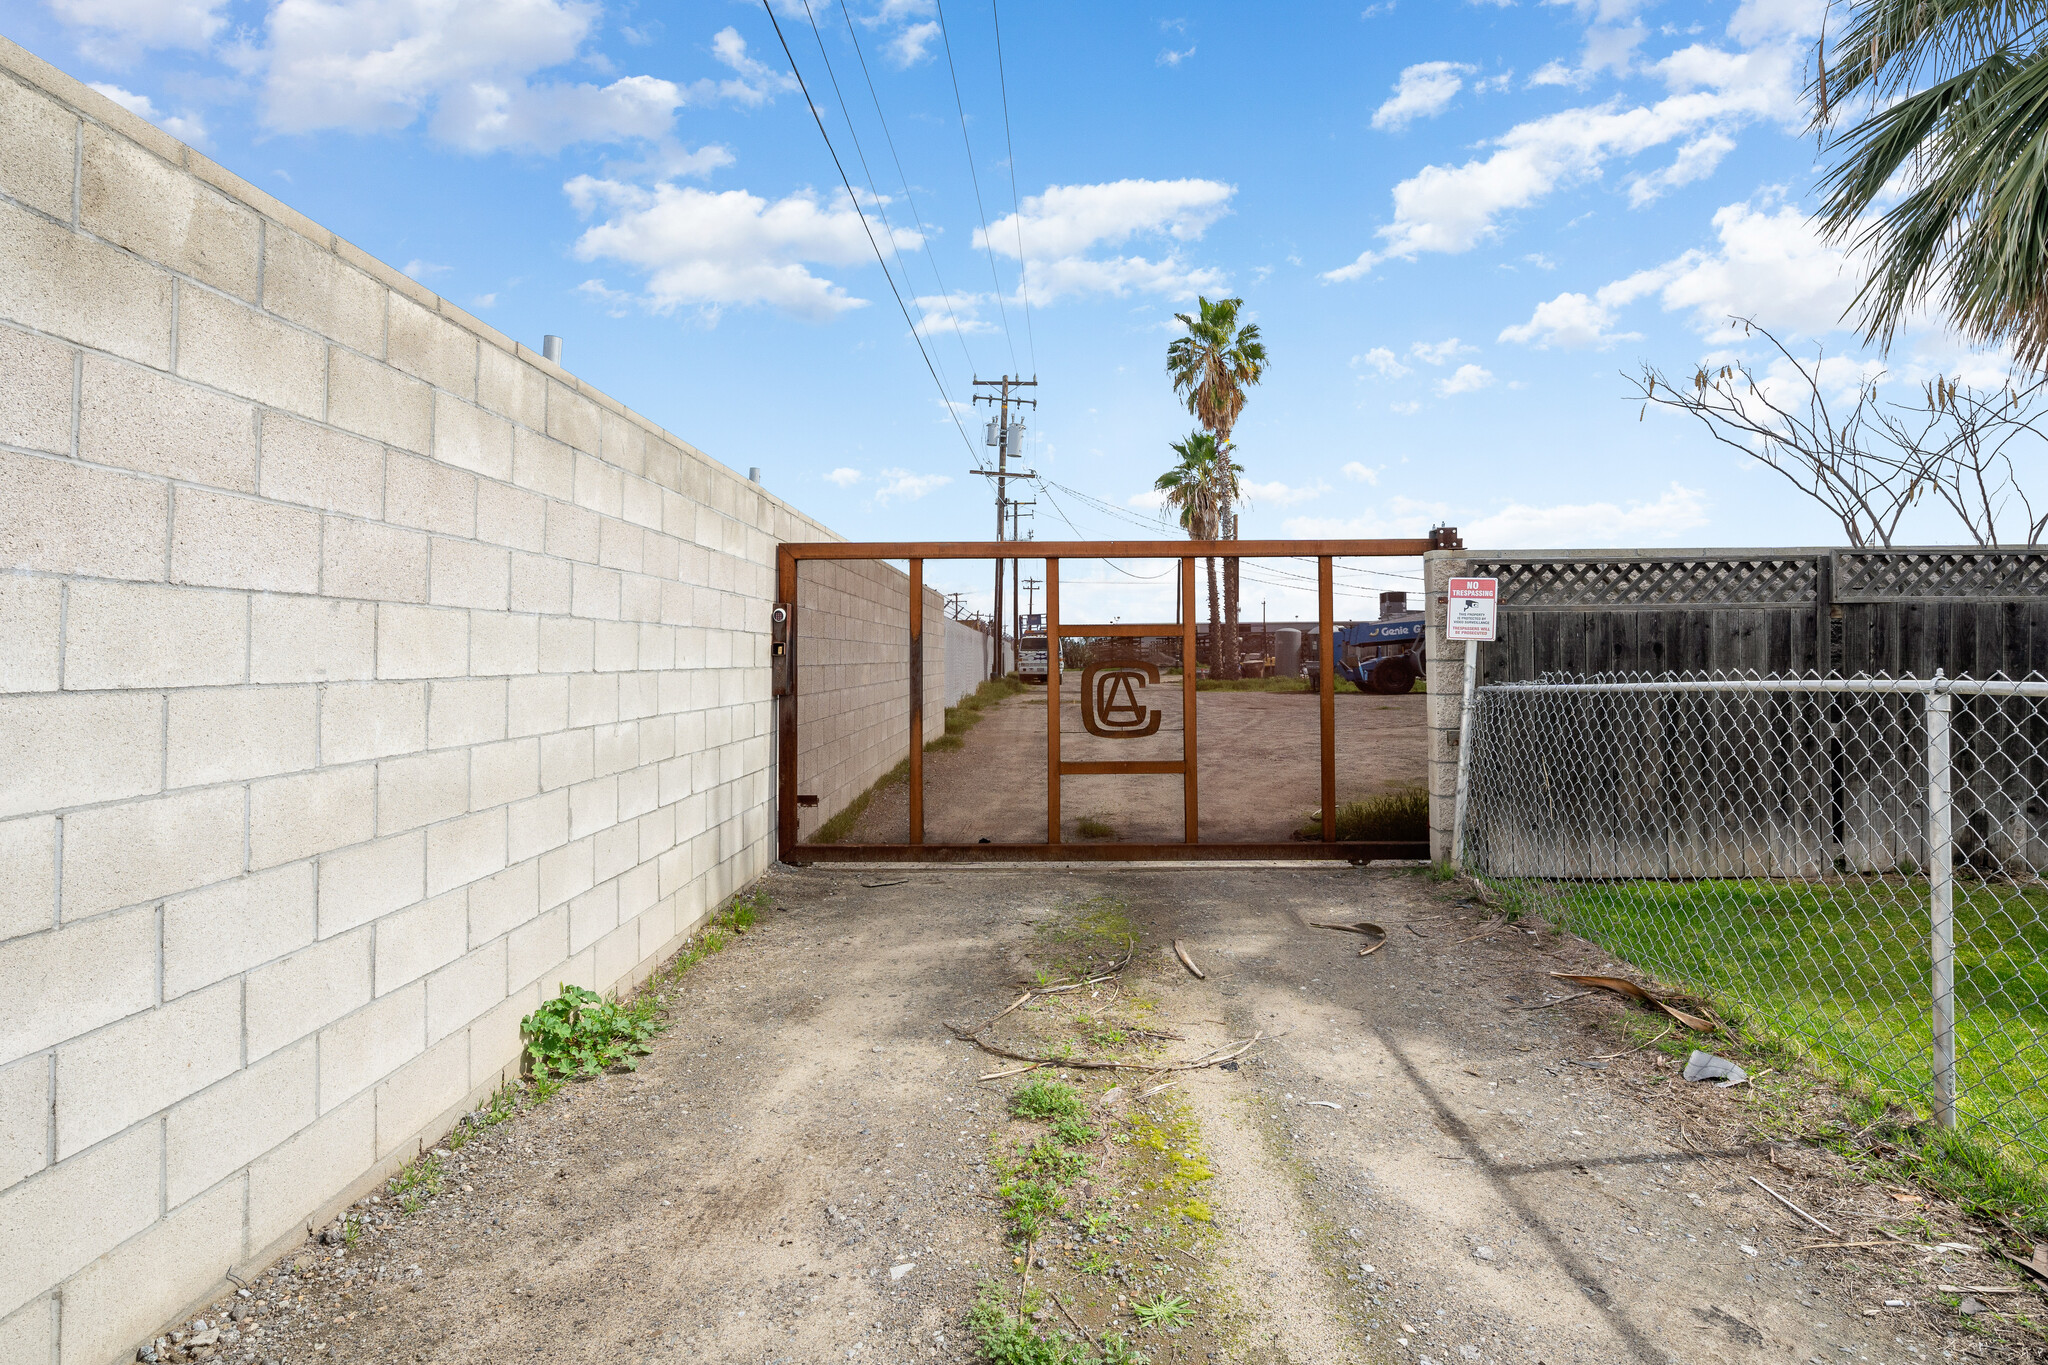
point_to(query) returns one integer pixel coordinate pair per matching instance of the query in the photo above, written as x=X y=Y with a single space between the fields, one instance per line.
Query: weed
x=417 y=1183
x=1094 y=1263
x=1445 y=871
x=1072 y=1131
x=746 y=910
x=1396 y=817
x=1052 y=1161
x=1166 y=1310
x=1097 y=1224
x=1007 y=1339
x=1027 y=1206
x=1091 y=828
x=581 y=1033
x=1042 y=1099
x=351 y=1231
x=503 y=1104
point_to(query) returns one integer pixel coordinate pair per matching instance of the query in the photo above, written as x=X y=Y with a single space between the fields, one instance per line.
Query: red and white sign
x=1472 y=612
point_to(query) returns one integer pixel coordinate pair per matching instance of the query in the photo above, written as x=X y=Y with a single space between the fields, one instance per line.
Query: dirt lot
x=1419 y=1160
x=1259 y=762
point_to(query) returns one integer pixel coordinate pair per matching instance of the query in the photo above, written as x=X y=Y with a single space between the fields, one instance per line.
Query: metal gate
x=1109 y=700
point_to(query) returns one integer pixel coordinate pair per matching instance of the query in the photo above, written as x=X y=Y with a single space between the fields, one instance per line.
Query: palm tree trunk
x=1215 y=623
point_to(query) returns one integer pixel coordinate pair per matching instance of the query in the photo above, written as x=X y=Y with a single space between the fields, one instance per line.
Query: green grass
x=1091 y=828
x=1043 y=1099
x=960 y=719
x=1251 y=685
x=1837 y=975
x=1397 y=816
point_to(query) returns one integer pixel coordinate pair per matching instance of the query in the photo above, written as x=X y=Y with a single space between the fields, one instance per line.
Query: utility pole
x=1031 y=589
x=999 y=436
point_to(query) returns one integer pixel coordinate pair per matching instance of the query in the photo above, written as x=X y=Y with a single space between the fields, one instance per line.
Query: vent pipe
x=551 y=348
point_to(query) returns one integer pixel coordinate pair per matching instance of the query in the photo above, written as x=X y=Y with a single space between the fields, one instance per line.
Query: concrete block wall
x=363 y=676
x=853 y=679
x=967 y=659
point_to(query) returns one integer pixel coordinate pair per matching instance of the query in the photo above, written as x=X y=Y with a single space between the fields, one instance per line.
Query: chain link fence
x=1855 y=865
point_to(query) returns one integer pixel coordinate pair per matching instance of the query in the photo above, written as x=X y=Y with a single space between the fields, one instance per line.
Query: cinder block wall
x=853 y=679
x=362 y=677
x=967 y=658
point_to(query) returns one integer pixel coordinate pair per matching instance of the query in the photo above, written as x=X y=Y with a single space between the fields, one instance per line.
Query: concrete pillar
x=1446 y=684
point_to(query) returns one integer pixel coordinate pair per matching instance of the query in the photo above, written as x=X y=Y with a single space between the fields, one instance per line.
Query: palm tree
x=1198 y=488
x=1211 y=368
x=1967 y=145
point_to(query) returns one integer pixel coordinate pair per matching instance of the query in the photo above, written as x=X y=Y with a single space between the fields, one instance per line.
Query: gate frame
x=792 y=553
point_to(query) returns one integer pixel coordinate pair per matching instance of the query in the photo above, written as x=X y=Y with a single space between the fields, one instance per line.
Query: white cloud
x=1592 y=525
x=423 y=270
x=1278 y=494
x=1572 y=321
x=1769 y=265
x=473 y=68
x=1063 y=225
x=913 y=44
x=706 y=250
x=1439 y=352
x=1359 y=473
x=482 y=301
x=1169 y=57
x=1382 y=360
x=1540 y=261
x=901 y=483
x=844 y=477
x=1423 y=91
x=1696 y=160
x=957 y=311
x=186 y=128
x=1452 y=209
x=117 y=31
x=1464 y=379
x=1151 y=500
x=1407 y=409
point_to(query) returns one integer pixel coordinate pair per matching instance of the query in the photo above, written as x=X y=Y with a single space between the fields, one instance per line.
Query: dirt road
x=1412 y=1164
x=1258 y=758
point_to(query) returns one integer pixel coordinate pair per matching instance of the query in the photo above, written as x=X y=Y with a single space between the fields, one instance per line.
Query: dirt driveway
x=1418 y=1161
x=1259 y=758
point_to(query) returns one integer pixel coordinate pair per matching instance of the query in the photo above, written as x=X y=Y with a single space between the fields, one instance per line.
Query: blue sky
x=1457 y=225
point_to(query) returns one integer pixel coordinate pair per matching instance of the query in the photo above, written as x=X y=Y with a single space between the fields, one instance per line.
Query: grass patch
x=960 y=718
x=1396 y=817
x=1043 y=1099
x=1285 y=685
x=1834 y=975
x=1091 y=828
x=417 y=1183
x=1006 y=1338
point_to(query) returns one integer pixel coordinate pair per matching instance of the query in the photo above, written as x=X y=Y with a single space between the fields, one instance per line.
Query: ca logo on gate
x=1109 y=700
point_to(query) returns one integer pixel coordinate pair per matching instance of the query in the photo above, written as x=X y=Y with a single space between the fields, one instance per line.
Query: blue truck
x=1380 y=656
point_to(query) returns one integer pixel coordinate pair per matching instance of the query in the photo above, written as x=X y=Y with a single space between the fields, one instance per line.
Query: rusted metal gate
x=1106 y=715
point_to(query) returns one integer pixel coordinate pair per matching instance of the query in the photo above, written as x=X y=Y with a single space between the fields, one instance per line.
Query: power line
x=945 y=296
x=816 y=118
x=988 y=246
x=859 y=152
x=1016 y=204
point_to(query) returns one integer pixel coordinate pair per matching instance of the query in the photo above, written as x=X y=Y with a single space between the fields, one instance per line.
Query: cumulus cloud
x=1712 y=93
x=705 y=250
x=1064 y=229
x=1465 y=379
x=1423 y=91
x=474 y=70
x=1360 y=473
x=1591 y=525
x=117 y=31
x=1170 y=57
x=1382 y=361
x=1439 y=352
x=906 y=486
x=844 y=477
x=1278 y=494
x=1770 y=265
x=184 y=127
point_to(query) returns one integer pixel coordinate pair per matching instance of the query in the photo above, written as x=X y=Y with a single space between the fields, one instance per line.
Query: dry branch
x=1182 y=953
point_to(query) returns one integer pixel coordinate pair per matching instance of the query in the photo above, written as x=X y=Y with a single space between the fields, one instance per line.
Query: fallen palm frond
x=1622 y=986
x=1365 y=927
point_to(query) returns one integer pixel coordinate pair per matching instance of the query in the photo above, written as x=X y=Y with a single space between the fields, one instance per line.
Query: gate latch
x=781 y=651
